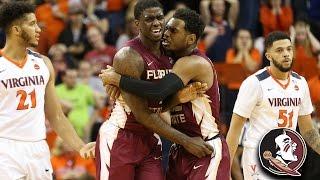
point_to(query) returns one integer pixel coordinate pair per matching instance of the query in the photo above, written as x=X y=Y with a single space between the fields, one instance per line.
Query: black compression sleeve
x=165 y=87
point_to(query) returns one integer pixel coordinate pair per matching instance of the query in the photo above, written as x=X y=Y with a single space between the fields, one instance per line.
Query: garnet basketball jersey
x=269 y=104
x=199 y=117
x=155 y=69
x=22 y=91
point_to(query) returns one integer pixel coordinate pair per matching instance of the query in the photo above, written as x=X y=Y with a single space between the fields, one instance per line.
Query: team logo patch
x=36 y=66
x=282 y=152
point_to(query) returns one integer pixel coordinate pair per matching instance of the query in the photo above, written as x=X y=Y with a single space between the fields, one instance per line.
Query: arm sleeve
x=250 y=93
x=167 y=86
x=306 y=107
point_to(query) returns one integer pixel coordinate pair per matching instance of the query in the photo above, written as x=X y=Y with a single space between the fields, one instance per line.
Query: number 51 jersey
x=22 y=91
x=269 y=103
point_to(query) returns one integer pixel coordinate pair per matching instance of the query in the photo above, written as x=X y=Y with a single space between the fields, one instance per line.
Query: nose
x=38 y=29
x=156 y=22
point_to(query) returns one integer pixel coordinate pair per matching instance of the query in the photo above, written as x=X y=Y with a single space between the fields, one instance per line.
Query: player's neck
x=14 y=50
x=276 y=73
x=185 y=52
x=153 y=46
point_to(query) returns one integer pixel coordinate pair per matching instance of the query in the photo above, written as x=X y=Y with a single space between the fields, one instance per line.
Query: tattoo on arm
x=312 y=137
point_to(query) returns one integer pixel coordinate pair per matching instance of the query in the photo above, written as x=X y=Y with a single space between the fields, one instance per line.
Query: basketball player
x=273 y=97
x=27 y=96
x=127 y=148
x=196 y=119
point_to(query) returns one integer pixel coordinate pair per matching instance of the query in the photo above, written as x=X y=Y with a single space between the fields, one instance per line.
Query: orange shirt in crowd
x=72 y=162
x=115 y=5
x=304 y=64
x=231 y=54
x=52 y=26
x=271 y=22
x=314 y=87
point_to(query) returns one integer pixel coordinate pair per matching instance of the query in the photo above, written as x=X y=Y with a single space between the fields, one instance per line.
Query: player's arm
x=309 y=133
x=128 y=62
x=57 y=119
x=249 y=95
x=237 y=123
x=183 y=71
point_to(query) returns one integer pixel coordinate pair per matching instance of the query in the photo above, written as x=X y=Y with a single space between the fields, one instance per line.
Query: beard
x=281 y=68
x=28 y=39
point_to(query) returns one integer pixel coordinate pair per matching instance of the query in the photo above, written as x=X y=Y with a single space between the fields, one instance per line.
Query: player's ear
x=268 y=56
x=15 y=30
x=136 y=22
x=191 y=39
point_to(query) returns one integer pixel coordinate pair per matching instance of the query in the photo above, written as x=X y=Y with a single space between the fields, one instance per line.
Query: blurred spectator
x=51 y=17
x=60 y=60
x=102 y=53
x=116 y=16
x=276 y=16
x=307 y=47
x=85 y=76
x=74 y=35
x=314 y=86
x=220 y=27
x=248 y=17
x=68 y=164
x=131 y=32
x=245 y=54
x=76 y=99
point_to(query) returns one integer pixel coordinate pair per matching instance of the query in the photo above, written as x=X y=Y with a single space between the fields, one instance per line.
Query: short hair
x=192 y=20
x=14 y=10
x=145 y=4
x=275 y=36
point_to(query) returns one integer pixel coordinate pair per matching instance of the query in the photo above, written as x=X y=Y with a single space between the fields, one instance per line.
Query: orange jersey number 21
x=285 y=119
x=23 y=97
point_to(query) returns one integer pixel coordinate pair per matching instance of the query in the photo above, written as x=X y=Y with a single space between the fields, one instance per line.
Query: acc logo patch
x=282 y=152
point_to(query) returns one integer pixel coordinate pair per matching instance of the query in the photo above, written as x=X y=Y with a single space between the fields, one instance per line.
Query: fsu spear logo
x=282 y=152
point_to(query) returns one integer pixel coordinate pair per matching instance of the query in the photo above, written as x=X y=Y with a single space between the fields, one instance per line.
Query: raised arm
x=128 y=62
x=57 y=119
x=182 y=72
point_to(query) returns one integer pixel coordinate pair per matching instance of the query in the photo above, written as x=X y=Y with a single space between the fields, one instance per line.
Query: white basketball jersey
x=268 y=104
x=22 y=91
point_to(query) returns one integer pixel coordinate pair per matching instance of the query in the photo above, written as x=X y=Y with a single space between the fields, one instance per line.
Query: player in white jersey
x=27 y=96
x=273 y=97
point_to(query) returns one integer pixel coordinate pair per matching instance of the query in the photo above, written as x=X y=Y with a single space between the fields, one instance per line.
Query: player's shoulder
x=261 y=74
x=127 y=53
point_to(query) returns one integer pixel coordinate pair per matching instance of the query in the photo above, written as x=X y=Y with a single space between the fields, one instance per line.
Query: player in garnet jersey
x=27 y=96
x=198 y=118
x=127 y=142
x=273 y=97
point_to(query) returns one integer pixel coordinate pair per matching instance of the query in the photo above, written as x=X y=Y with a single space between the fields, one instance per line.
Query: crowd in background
x=82 y=36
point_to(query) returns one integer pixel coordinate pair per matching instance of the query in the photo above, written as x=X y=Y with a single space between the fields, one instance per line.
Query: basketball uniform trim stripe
x=264 y=75
x=296 y=75
x=108 y=134
x=216 y=157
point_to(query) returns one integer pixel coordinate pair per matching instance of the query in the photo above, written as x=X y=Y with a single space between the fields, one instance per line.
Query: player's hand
x=109 y=76
x=113 y=92
x=198 y=147
x=192 y=91
x=88 y=150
